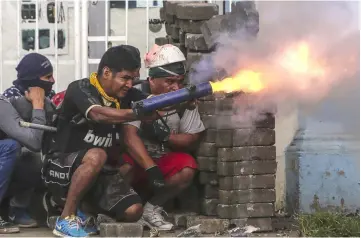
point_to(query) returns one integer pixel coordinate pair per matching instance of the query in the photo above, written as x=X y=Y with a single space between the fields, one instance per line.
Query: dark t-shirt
x=76 y=131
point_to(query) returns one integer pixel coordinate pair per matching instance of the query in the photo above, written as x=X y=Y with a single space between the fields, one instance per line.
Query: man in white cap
x=160 y=151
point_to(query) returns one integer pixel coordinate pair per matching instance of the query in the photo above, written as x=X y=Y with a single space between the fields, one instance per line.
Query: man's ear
x=107 y=72
x=151 y=80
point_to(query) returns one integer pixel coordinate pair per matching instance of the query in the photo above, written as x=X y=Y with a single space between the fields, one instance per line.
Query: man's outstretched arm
x=86 y=98
x=136 y=147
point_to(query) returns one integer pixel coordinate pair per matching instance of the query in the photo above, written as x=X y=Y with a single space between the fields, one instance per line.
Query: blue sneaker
x=88 y=222
x=21 y=217
x=69 y=227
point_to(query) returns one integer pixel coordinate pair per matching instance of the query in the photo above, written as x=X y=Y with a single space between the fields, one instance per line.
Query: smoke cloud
x=331 y=31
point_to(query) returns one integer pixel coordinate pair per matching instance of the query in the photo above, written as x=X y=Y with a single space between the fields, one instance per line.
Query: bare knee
x=133 y=213
x=95 y=158
x=185 y=177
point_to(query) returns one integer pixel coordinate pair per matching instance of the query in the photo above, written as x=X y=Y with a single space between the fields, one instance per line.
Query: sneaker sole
x=9 y=230
x=60 y=234
x=34 y=225
x=145 y=223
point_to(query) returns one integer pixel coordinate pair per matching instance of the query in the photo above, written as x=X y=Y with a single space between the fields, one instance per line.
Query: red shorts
x=169 y=164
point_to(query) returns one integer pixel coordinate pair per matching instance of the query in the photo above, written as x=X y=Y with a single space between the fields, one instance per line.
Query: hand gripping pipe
x=173 y=98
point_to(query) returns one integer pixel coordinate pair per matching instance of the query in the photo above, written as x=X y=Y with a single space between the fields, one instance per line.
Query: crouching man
x=162 y=153
x=81 y=164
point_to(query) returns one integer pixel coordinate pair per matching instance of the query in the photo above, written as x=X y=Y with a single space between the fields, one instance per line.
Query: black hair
x=119 y=58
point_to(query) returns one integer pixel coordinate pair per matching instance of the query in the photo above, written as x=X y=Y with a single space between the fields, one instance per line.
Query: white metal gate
x=60 y=30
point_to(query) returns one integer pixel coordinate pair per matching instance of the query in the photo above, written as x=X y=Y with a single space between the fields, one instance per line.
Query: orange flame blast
x=245 y=80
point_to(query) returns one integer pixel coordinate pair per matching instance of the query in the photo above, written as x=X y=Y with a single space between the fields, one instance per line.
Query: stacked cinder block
x=237 y=160
x=183 y=21
x=190 y=16
x=207 y=157
x=246 y=167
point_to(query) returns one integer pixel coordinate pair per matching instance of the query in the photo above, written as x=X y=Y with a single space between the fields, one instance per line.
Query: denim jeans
x=25 y=178
x=9 y=151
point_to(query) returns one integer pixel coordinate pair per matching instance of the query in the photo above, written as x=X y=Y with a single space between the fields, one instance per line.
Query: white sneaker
x=152 y=218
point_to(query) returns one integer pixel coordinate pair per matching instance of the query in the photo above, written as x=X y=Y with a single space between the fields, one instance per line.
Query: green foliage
x=327 y=224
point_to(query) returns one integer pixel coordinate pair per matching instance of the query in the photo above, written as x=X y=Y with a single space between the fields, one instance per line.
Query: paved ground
x=44 y=232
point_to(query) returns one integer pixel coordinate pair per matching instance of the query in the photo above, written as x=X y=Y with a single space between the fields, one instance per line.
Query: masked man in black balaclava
x=34 y=70
x=26 y=101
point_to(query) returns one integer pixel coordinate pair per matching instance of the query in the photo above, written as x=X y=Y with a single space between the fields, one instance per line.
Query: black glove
x=155 y=178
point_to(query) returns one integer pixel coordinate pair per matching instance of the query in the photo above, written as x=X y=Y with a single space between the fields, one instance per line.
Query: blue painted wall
x=323 y=162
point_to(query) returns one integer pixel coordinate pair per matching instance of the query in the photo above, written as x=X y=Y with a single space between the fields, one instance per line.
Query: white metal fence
x=60 y=30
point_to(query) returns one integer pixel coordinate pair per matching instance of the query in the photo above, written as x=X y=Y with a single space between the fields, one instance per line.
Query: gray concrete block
x=168 y=28
x=180 y=219
x=162 y=13
x=238 y=121
x=212 y=29
x=225 y=107
x=245 y=210
x=195 y=42
x=196 y=11
x=161 y=40
x=210 y=136
x=210 y=191
x=206 y=107
x=247 y=196
x=224 y=138
x=170 y=7
x=207 y=149
x=182 y=37
x=238 y=7
x=207 y=163
x=174 y=32
x=121 y=230
x=208 y=178
x=191 y=26
x=247 y=167
x=169 y=19
x=209 y=207
x=254 y=137
x=264 y=223
x=209 y=121
x=193 y=58
x=208 y=225
x=246 y=153
x=247 y=182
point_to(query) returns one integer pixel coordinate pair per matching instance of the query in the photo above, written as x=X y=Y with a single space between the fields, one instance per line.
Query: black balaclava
x=30 y=69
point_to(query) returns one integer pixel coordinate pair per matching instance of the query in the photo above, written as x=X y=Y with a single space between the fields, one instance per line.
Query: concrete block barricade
x=195 y=42
x=196 y=11
x=236 y=158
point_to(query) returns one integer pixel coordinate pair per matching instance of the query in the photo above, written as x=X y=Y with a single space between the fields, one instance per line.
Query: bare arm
x=136 y=147
x=110 y=115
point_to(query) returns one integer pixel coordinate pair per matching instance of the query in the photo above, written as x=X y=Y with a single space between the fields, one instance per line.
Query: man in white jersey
x=161 y=149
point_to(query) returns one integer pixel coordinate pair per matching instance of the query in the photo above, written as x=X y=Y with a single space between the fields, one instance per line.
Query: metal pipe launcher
x=187 y=93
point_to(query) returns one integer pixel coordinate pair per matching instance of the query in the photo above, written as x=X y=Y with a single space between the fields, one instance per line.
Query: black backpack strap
x=181 y=112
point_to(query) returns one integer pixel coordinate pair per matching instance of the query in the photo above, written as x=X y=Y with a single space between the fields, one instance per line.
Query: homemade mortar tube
x=37 y=126
x=188 y=93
